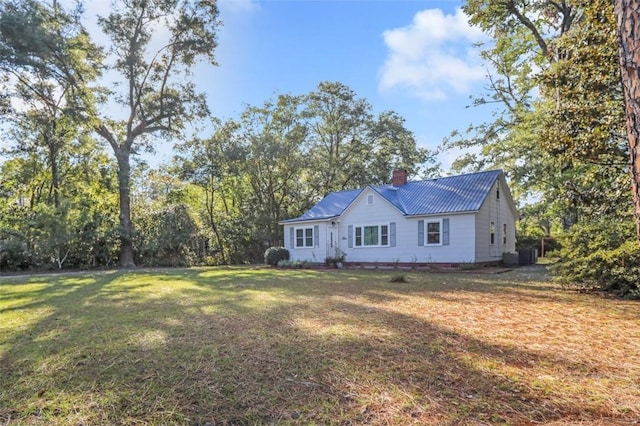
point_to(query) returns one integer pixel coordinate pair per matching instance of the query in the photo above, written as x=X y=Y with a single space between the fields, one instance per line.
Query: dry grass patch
x=261 y=346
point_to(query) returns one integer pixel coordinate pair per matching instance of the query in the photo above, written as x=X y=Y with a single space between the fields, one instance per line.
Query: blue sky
x=415 y=57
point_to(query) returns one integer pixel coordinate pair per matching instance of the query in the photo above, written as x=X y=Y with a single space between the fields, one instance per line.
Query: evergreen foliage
x=603 y=255
x=274 y=255
x=169 y=237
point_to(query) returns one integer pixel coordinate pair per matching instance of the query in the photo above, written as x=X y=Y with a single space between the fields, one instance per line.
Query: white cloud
x=433 y=56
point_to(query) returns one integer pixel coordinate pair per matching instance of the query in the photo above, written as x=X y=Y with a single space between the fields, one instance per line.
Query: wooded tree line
x=558 y=130
x=220 y=199
x=69 y=202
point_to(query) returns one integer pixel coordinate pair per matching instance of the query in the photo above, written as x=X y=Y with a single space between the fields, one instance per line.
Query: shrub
x=602 y=255
x=293 y=264
x=168 y=237
x=273 y=255
x=333 y=261
x=398 y=278
x=14 y=255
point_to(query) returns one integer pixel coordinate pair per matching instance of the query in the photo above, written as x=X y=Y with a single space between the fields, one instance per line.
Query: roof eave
x=442 y=213
x=313 y=219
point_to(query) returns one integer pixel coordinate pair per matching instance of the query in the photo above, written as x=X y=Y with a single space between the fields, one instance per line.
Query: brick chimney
x=399 y=177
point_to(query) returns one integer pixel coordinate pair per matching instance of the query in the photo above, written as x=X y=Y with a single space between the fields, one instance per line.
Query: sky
x=415 y=57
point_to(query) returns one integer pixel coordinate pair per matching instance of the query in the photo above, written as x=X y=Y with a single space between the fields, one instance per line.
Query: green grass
x=228 y=346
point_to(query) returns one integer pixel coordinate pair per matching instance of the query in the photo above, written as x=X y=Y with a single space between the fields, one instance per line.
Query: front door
x=332 y=239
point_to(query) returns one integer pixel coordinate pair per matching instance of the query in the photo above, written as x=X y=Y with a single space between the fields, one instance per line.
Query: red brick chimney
x=399 y=177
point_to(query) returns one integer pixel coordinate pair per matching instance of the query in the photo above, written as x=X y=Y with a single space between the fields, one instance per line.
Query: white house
x=451 y=220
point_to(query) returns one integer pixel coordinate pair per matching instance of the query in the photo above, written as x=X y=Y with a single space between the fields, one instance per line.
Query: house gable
x=371 y=198
x=369 y=228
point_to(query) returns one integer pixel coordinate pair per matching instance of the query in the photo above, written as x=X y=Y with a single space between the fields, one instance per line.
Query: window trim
x=504 y=233
x=359 y=229
x=304 y=237
x=426 y=233
x=492 y=233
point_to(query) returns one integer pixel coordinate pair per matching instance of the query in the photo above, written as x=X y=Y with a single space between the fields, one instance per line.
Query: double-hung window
x=304 y=237
x=433 y=232
x=371 y=236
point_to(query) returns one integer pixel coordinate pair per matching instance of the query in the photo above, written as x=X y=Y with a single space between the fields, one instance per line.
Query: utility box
x=527 y=256
x=510 y=259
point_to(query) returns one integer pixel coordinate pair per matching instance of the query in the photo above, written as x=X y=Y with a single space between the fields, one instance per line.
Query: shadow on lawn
x=260 y=349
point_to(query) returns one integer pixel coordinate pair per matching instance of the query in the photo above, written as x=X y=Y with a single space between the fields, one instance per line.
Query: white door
x=332 y=239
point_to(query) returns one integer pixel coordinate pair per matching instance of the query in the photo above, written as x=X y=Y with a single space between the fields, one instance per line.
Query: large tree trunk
x=628 y=17
x=126 y=229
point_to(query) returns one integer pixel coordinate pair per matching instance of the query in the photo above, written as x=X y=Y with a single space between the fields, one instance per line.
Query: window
x=497 y=191
x=370 y=199
x=371 y=236
x=433 y=232
x=492 y=233
x=304 y=237
x=504 y=233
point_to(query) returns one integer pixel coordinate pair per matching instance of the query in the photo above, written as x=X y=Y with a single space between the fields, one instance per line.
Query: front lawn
x=228 y=346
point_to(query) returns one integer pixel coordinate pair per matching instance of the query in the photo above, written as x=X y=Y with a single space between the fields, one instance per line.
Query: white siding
x=315 y=253
x=499 y=212
x=461 y=231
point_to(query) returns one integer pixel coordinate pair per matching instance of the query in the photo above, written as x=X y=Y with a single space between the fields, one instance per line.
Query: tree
x=350 y=147
x=43 y=44
x=171 y=237
x=47 y=64
x=581 y=115
x=280 y=158
x=81 y=231
x=154 y=90
x=557 y=132
x=628 y=19
x=274 y=136
x=522 y=32
x=212 y=164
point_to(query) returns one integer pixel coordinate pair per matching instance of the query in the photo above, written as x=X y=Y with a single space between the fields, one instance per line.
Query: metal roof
x=452 y=194
x=332 y=205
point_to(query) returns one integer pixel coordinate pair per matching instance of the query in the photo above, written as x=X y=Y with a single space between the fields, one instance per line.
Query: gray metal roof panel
x=332 y=205
x=452 y=194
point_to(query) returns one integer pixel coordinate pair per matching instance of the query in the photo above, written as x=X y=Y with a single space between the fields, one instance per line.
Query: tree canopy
x=56 y=61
